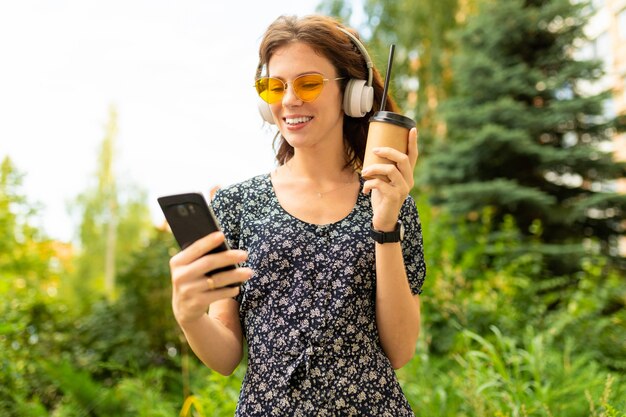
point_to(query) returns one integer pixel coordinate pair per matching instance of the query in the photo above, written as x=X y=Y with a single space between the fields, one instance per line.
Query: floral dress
x=308 y=312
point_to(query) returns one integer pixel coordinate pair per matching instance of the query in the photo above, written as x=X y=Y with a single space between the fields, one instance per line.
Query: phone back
x=189 y=217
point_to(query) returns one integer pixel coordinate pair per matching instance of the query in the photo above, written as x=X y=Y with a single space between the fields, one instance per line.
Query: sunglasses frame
x=295 y=91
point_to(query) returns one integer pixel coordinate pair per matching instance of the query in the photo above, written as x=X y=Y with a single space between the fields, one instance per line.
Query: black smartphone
x=191 y=218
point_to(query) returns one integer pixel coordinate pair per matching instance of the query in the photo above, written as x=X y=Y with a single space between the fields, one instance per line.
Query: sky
x=178 y=73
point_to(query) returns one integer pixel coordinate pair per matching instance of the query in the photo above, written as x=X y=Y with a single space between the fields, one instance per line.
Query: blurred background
x=521 y=106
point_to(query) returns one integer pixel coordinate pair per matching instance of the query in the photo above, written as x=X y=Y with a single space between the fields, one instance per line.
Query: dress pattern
x=308 y=312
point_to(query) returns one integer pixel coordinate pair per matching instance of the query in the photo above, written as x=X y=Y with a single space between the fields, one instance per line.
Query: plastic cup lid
x=394 y=118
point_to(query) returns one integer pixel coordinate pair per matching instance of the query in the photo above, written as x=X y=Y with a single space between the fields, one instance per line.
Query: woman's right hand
x=192 y=291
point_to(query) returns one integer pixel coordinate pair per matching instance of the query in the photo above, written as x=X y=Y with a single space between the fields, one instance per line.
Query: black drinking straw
x=387 y=77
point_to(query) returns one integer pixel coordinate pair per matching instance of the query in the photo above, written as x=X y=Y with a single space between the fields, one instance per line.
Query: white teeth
x=296 y=120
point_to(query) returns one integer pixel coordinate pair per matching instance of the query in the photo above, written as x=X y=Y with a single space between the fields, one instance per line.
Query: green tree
x=422 y=74
x=24 y=249
x=136 y=329
x=338 y=8
x=114 y=220
x=524 y=138
x=30 y=274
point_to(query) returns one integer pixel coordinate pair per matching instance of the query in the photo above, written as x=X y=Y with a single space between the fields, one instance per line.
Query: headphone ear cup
x=265 y=112
x=358 y=98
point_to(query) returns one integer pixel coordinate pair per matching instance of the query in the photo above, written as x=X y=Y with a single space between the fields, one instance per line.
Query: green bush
x=217 y=394
x=53 y=359
x=500 y=377
x=480 y=275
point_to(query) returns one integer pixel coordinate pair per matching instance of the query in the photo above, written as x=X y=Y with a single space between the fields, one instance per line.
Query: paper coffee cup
x=386 y=129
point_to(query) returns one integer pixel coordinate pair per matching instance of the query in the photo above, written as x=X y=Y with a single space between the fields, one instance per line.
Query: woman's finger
x=385 y=187
x=235 y=276
x=209 y=297
x=214 y=261
x=198 y=249
x=388 y=173
x=413 y=150
x=400 y=161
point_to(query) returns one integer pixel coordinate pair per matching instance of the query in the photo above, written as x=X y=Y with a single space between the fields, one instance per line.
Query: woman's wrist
x=193 y=323
x=384 y=225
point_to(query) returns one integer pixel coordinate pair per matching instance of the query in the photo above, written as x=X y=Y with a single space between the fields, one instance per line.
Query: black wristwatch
x=388 y=237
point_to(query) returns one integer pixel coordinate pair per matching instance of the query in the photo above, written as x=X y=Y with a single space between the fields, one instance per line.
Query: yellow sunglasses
x=306 y=87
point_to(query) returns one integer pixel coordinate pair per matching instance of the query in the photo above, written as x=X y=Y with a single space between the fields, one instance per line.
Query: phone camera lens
x=182 y=210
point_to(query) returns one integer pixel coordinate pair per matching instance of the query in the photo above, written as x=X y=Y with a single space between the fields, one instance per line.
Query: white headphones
x=358 y=97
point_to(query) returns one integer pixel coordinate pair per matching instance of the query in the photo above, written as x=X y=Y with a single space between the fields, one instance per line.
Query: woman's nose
x=290 y=98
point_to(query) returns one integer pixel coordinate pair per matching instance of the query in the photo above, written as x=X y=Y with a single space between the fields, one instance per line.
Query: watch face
x=401 y=232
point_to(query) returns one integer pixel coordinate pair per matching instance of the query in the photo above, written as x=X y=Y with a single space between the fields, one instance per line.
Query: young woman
x=327 y=311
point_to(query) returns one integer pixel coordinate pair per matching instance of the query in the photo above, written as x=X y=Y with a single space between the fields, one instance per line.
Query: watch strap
x=387 y=237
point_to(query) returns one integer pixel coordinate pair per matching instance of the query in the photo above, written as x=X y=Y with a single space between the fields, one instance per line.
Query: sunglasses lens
x=308 y=87
x=270 y=89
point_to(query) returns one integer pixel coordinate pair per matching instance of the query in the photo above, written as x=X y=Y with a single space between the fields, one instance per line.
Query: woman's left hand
x=392 y=184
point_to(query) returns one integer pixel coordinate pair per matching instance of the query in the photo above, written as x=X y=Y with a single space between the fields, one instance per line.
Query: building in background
x=607 y=33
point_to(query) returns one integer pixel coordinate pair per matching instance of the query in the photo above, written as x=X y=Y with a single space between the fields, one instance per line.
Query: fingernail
x=376 y=150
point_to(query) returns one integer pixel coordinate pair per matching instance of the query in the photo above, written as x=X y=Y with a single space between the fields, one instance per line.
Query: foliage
x=596 y=313
x=422 y=73
x=338 y=8
x=31 y=269
x=114 y=221
x=32 y=329
x=25 y=252
x=478 y=276
x=482 y=274
x=492 y=342
x=496 y=376
x=524 y=137
x=53 y=358
x=140 y=326
x=216 y=394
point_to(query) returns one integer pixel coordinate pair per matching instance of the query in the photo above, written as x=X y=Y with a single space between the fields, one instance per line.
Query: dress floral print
x=308 y=312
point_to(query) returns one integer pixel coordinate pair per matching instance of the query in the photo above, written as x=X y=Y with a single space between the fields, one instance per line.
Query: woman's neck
x=325 y=162
x=315 y=168
x=316 y=188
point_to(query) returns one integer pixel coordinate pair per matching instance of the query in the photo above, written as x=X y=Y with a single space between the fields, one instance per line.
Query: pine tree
x=524 y=138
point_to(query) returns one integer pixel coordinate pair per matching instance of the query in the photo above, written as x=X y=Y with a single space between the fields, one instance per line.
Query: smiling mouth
x=293 y=121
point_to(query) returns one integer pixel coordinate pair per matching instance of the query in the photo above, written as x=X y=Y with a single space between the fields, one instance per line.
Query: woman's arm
x=215 y=338
x=397 y=309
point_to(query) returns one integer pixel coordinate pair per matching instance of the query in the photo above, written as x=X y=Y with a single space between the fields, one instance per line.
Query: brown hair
x=323 y=35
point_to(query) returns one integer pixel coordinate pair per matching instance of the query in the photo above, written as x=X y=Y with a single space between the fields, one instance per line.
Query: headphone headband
x=366 y=56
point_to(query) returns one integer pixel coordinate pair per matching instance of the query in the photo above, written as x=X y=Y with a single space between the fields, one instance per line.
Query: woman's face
x=306 y=124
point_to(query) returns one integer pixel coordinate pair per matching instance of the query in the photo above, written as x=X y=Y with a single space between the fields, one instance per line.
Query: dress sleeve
x=227 y=209
x=412 y=246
